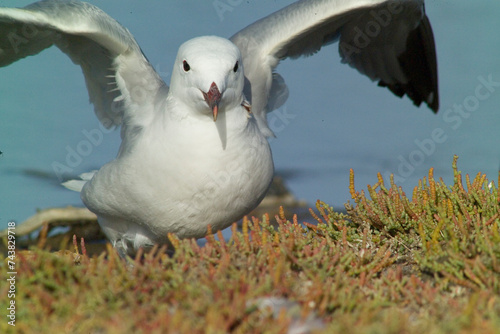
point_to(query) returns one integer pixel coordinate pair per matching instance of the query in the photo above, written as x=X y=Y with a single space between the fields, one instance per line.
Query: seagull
x=194 y=155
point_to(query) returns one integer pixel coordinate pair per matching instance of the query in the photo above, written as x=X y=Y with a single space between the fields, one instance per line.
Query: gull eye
x=186 y=66
x=235 y=69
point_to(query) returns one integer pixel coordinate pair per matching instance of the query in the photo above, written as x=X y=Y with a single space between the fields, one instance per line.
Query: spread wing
x=122 y=85
x=389 y=41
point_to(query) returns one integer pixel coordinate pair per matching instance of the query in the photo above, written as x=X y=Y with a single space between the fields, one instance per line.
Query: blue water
x=334 y=120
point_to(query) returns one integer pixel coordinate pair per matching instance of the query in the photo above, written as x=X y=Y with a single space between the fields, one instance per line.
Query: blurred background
x=335 y=119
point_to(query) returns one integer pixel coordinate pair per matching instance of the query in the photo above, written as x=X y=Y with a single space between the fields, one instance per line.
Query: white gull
x=195 y=154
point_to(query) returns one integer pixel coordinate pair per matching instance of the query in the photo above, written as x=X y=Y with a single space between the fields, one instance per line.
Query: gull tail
x=77 y=185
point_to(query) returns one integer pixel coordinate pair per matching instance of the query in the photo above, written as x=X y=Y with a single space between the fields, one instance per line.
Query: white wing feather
x=118 y=76
x=390 y=41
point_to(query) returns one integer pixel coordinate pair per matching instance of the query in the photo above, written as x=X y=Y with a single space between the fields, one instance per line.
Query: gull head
x=208 y=76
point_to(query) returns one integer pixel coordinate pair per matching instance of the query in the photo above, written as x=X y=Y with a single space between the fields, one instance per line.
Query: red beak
x=213 y=97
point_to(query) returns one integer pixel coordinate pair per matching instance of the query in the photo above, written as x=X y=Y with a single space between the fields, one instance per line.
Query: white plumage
x=193 y=154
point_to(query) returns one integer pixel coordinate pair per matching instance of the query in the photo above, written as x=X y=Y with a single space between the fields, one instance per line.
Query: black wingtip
x=419 y=63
